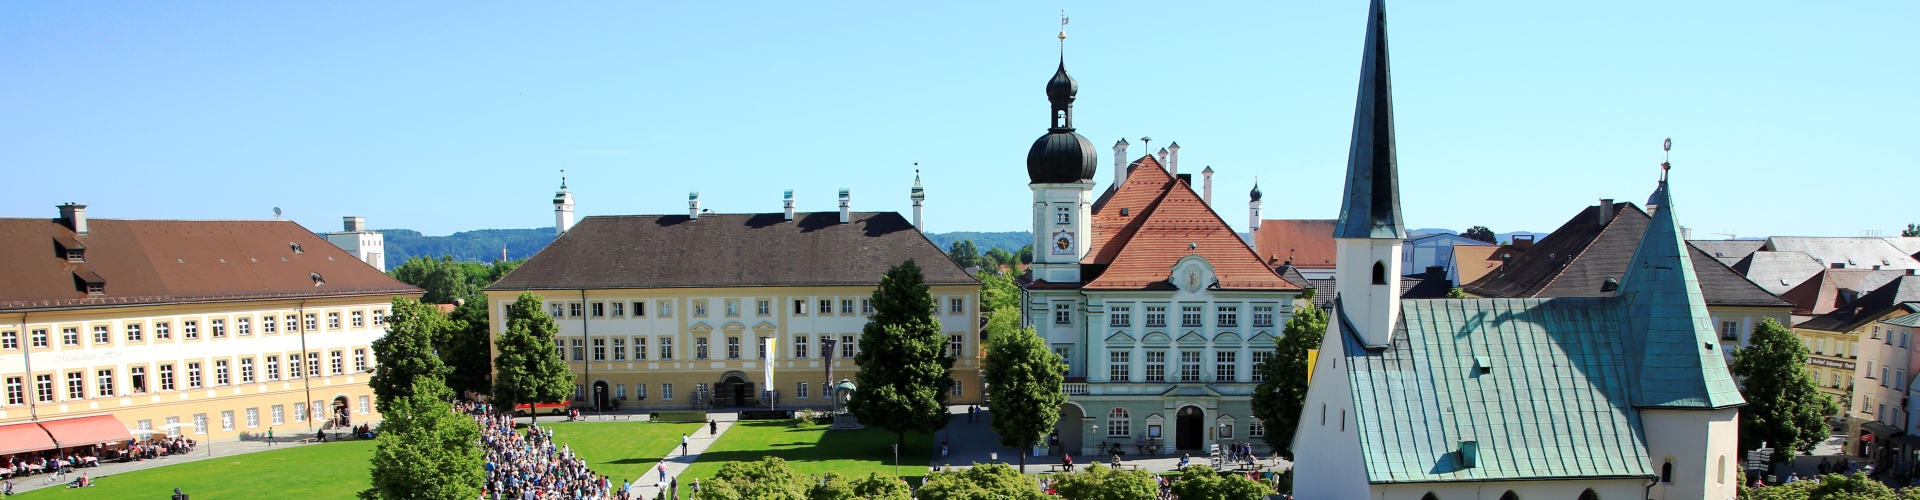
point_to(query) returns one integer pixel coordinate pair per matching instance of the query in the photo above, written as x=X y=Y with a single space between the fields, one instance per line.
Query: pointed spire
x=1371 y=208
x=1676 y=354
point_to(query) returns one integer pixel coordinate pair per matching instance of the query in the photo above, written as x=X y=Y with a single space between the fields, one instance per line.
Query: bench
x=307 y=440
x=1060 y=468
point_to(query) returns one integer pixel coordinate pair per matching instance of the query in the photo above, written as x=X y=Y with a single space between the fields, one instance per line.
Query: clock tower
x=1061 y=166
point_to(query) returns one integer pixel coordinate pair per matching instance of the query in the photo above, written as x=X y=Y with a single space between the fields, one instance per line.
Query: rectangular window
x=299 y=412
x=1226 y=316
x=266 y=324
x=733 y=347
x=733 y=308
x=39 y=337
x=826 y=306
x=1899 y=380
x=1156 y=316
x=103 y=382
x=1120 y=316
x=619 y=391
x=1065 y=354
x=800 y=347
x=273 y=368
x=102 y=336
x=700 y=308
x=253 y=418
x=800 y=307
x=847 y=347
x=226 y=420
x=69 y=336
x=76 y=385
x=359 y=319
x=293 y=324
x=1256 y=428
x=220 y=372
x=279 y=414
x=43 y=388
x=763 y=307
x=955 y=390
x=620 y=349
x=137 y=375
x=1903 y=337
x=193 y=376
x=640 y=391
x=558 y=310
x=1262 y=316
x=599 y=309
x=333 y=321
x=666 y=392
x=956 y=346
x=16 y=391
x=1189 y=366
x=379 y=317
x=172 y=430
x=700 y=348
x=599 y=349
x=1156 y=366
x=243 y=326
x=218 y=327
x=1225 y=369
x=190 y=329
x=360 y=360
x=166 y=377
x=866 y=307
x=293 y=367
x=246 y=370
x=364 y=407
x=1729 y=330
x=162 y=330
x=313 y=323
x=199 y=423
x=1883 y=376
x=846 y=306
x=1189 y=316
x=1062 y=313
x=1062 y=215
x=573 y=309
x=337 y=361
x=579 y=350
x=640 y=349
x=617 y=309
x=639 y=309
x=1119 y=369
x=666 y=348
x=800 y=390
x=9 y=340
x=133 y=333
x=313 y=364
x=956 y=306
x=1260 y=358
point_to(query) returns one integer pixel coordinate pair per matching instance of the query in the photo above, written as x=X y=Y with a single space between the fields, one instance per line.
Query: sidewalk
x=975 y=442
x=204 y=451
x=677 y=463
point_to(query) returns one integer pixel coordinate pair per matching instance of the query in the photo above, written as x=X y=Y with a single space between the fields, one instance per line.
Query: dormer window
x=76 y=255
x=96 y=289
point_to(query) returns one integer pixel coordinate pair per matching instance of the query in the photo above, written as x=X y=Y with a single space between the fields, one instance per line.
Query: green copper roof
x=1677 y=355
x=1371 y=208
x=1538 y=384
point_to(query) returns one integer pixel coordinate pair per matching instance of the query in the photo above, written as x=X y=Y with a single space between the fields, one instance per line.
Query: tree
x=1457 y=293
x=465 y=349
x=529 y=368
x=1024 y=379
x=1480 y=233
x=1278 y=400
x=443 y=279
x=1000 y=257
x=997 y=292
x=426 y=451
x=1098 y=482
x=1912 y=230
x=964 y=253
x=1784 y=405
x=1025 y=254
x=405 y=353
x=905 y=372
x=877 y=487
x=981 y=482
x=1200 y=481
x=769 y=478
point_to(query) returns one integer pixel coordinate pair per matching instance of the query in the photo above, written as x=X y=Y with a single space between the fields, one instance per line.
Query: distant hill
x=1011 y=241
x=480 y=246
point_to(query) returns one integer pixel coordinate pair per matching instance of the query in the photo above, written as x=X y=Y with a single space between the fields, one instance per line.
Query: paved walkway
x=677 y=462
x=203 y=452
x=975 y=442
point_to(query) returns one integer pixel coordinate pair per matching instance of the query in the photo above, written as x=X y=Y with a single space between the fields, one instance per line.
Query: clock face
x=1063 y=243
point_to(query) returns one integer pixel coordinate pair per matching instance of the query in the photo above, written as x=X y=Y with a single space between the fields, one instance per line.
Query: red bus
x=548 y=408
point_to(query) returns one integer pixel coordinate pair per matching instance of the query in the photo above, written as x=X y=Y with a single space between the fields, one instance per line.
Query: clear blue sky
x=1787 y=117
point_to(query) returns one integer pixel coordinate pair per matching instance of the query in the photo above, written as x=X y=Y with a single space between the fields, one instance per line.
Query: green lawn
x=815 y=450
x=623 y=450
x=331 y=470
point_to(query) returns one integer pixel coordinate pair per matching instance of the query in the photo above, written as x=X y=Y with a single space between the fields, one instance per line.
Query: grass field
x=814 y=450
x=331 y=470
x=623 y=450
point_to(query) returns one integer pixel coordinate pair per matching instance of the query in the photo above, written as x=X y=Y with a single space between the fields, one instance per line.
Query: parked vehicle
x=529 y=409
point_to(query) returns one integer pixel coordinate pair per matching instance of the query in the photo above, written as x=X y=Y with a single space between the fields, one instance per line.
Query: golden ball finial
x=1063 y=36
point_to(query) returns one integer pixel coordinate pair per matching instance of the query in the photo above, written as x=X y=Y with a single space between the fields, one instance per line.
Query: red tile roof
x=1474 y=261
x=1166 y=222
x=1307 y=242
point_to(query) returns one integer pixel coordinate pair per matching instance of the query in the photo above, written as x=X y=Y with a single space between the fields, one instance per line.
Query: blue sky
x=1787 y=117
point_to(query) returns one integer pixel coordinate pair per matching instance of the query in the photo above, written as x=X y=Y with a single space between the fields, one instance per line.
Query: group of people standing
x=530 y=466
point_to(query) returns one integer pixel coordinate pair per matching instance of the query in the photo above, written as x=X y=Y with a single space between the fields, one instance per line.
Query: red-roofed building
x=1160 y=310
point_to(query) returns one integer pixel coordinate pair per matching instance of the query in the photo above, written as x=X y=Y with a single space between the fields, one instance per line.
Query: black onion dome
x=1255 y=195
x=1062 y=85
x=1061 y=157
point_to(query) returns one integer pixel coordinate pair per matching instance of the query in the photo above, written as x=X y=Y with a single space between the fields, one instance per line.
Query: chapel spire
x=1678 y=363
x=1371 y=208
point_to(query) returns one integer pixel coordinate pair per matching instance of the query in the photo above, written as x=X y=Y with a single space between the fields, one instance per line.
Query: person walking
x=663 y=472
x=713 y=428
x=683 y=445
x=269 y=436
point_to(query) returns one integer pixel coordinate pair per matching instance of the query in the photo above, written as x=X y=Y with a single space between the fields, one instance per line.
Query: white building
x=368 y=246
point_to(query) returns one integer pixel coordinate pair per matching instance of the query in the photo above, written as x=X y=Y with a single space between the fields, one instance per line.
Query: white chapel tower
x=562 y=209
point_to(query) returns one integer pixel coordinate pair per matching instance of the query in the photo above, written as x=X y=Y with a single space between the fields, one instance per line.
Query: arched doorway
x=341 y=413
x=1188 y=427
x=600 y=399
x=1070 y=429
x=736 y=391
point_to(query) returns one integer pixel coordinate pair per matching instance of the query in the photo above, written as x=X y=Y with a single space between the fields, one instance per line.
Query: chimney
x=1167 y=166
x=1206 y=183
x=1173 y=157
x=846 y=210
x=1119 y=163
x=355 y=223
x=693 y=205
x=1185 y=179
x=788 y=202
x=1686 y=233
x=74 y=216
x=1436 y=272
x=1606 y=212
x=1522 y=241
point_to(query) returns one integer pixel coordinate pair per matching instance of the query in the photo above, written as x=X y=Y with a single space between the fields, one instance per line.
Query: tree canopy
x=1279 y=398
x=1098 y=482
x=1480 y=233
x=405 y=353
x=772 y=479
x=1785 y=407
x=425 y=449
x=528 y=368
x=465 y=349
x=1200 y=481
x=964 y=253
x=905 y=373
x=1024 y=380
x=980 y=482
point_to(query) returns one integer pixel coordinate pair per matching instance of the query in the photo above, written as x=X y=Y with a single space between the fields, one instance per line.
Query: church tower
x=1060 y=168
x=562 y=209
x=1369 y=233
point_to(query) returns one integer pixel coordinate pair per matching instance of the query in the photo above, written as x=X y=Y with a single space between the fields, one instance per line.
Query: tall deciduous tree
x=1784 y=405
x=528 y=368
x=1480 y=233
x=1277 y=401
x=405 y=353
x=1098 y=482
x=905 y=372
x=964 y=253
x=1024 y=380
x=443 y=279
x=465 y=349
x=997 y=292
x=425 y=450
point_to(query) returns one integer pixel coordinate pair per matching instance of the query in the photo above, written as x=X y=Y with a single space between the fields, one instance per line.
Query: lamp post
x=1095 y=431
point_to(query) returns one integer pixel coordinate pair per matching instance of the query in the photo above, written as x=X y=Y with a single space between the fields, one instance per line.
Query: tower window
x=1062 y=215
x=1380 y=273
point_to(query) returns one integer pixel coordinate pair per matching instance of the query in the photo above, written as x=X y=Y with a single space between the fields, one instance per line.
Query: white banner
x=772 y=354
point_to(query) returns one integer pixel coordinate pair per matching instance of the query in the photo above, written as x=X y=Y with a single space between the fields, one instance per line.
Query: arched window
x=1510 y=495
x=1119 y=424
x=1589 y=495
x=1380 y=273
x=1429 y=496
x=1721 y=477
x=1666 y=471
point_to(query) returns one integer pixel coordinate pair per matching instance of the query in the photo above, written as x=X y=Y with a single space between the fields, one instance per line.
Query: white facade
x=368 y=246
x=562 y=209
x=1434 y=250
x=1062 y=221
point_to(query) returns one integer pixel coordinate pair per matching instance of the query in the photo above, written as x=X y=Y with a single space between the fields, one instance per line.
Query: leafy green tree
x=905 y=372
x=1278 y=400
x=997 y=292
x=442 y=278
x=464 y=347
x=1025 y=254
x=1200 y=481
x=1457 y=293
x=529 y=368
x=425 y=450
x=1098 y=482
x=997 y=257
x=981 y=482
x=405 y=353
x=964 y=253
x=768 y=479
x=1024 y=380
x=877 y=487
x=1480 y=233
x=1784 y=403
x=1912 y=230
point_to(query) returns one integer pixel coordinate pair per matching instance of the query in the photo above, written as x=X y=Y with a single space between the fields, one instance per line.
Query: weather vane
x=1666 y=163
x=1147 y=142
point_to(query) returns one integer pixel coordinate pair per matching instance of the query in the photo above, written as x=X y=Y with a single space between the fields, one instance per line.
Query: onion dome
x=1061 y=156
x=1255 y=194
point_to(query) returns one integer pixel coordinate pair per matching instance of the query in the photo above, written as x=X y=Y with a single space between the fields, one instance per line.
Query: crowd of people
x=529 y=466
x=165 y=446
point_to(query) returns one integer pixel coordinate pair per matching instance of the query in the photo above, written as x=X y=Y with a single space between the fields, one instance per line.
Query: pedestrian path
x=678 y=462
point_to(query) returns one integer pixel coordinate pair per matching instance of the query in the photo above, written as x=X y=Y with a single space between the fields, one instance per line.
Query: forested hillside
x=479 y=246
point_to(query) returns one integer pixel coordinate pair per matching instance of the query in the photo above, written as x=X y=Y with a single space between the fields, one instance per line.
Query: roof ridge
x=1589 y=244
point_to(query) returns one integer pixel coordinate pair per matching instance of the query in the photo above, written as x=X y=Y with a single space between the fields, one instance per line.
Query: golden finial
x=1063 y=26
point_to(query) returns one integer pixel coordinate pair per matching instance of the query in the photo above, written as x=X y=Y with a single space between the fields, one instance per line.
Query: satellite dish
x=276 y=212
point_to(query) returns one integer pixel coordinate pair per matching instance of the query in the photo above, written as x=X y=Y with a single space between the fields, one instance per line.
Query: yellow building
x=671 y=311
x=1831 y=358
x=216 y=330
x=1880 y=361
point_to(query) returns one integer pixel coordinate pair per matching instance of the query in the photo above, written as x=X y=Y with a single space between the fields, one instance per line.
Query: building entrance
x=600 y=399
x=1188 y=426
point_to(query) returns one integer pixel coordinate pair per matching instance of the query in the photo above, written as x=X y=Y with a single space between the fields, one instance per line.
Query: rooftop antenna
x=1147 y=143
x=276 y=213
x=563 y=178
x=1666 y=162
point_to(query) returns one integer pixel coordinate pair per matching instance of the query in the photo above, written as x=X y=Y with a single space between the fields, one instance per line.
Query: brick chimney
x=846 y=209
x=1522 y=241
x=74 y=216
